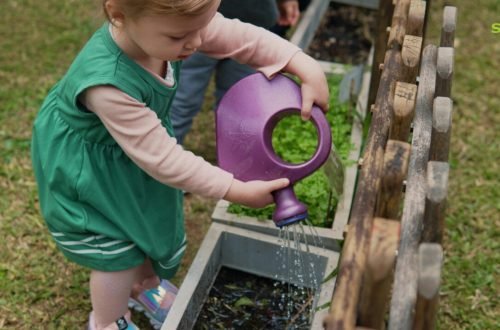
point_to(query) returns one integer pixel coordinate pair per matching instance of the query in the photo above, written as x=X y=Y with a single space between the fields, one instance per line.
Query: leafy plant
x=295 y=141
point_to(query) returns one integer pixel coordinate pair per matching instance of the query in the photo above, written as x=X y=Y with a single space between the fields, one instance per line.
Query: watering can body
x=245 y=120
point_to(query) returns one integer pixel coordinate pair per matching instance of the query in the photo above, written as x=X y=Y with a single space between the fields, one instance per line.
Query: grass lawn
x=40 y=289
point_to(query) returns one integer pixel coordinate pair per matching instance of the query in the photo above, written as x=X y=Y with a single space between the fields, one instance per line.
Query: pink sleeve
x=140 y=134
x=247 y=44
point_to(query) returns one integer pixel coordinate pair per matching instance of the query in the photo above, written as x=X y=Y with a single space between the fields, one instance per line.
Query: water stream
x=239 y=300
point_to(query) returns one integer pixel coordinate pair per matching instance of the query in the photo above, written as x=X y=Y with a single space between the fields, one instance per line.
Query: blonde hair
x=136 y=8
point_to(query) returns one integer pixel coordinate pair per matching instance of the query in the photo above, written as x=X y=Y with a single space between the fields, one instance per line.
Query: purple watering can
x=245 y=120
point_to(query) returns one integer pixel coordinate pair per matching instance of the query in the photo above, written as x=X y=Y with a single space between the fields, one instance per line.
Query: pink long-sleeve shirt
x=140 y=133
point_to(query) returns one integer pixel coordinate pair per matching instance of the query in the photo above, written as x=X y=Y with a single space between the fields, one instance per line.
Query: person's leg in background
x=227 y=73
x=195 y=75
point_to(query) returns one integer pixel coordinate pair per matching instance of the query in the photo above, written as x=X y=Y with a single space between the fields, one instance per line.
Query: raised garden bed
x=249 y=252
x=337 y=32
x=242 y=300
x=344 y=35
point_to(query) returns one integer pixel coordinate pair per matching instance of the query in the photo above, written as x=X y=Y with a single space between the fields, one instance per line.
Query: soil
x=239 y=300
x=344 y=35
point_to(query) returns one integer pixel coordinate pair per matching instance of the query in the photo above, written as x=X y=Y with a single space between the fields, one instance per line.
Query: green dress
x=103 y=211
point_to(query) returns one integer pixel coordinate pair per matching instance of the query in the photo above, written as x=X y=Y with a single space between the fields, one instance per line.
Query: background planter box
x=248 y=251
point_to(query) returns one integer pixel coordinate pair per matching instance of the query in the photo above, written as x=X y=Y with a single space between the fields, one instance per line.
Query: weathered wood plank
x=430 y=261
x=449 y=26
x=405 y=284
x=435 y=201
x=441 y=129
x=405 y=96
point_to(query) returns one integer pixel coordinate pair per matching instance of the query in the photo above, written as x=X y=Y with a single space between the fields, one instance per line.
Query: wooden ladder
x=391 y=261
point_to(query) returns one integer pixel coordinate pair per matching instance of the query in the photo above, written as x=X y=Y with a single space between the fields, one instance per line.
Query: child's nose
x=194 y=42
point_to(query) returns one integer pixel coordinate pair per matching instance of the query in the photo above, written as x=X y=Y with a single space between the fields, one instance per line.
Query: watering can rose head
x=245 y=120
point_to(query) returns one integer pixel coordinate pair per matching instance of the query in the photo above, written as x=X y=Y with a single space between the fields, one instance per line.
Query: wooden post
x=399 y=22
x=356 y=247
x=404 y=107
x=405 y=285
x=430 y=261
x=384 y=18
x=441 y=129
x=435 y=201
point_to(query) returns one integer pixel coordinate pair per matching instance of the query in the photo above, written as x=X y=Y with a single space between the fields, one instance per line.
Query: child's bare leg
x=147 y=279
x=109 y=292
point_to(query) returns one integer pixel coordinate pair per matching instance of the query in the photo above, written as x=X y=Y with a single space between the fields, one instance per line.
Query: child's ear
x=114 y=12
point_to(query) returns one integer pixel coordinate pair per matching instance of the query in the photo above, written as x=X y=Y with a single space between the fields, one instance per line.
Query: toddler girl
x=110 y=174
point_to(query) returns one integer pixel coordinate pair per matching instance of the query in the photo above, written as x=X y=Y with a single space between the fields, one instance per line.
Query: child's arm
x=267 y=53
x=146 y=142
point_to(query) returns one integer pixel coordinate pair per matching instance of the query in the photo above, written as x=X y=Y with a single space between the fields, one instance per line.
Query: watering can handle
x=299 y=171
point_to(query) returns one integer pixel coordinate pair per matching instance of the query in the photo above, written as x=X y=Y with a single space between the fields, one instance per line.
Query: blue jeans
x=195 y=75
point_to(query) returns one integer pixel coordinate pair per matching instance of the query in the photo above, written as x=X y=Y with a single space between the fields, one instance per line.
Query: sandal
x=123 y=323
x=155 y=303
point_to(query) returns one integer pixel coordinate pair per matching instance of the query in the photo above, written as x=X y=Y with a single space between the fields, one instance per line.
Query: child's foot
x=123 y=323
x=155 y=303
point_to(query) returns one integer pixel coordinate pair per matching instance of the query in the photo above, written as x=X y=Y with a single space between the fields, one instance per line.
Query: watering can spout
x=245 y=120
x=289 y=209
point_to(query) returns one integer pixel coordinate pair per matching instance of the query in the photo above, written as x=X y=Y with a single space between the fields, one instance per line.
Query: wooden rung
x=441 y=129
x=449 y=26
x=383 y=245
x=395 y=163
x=437 y=181
x=412 y=46
x=377 y=279
x=435 y=201
x=430 y=261
x=445 y=63
x=396 y=156
x=416 y=18
x=405 y=95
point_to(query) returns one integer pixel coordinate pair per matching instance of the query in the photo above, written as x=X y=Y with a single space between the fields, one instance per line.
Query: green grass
x=39 y=289
x=470 y=280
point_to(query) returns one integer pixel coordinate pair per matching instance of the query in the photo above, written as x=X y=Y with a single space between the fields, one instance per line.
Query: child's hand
x=256 y=193
x=314 y=85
